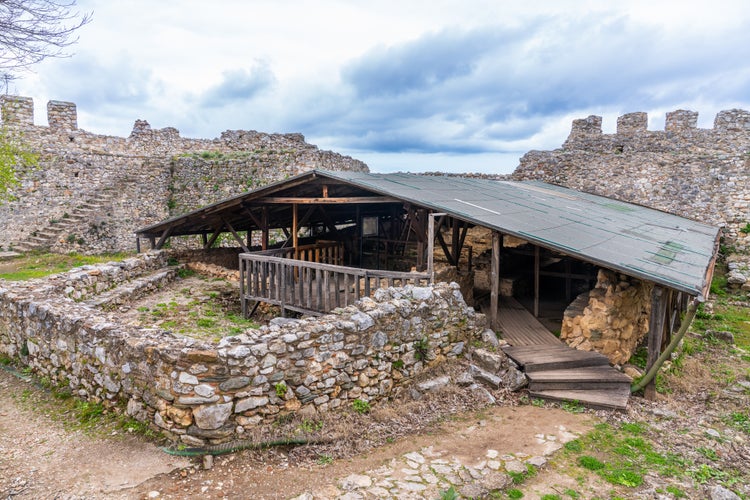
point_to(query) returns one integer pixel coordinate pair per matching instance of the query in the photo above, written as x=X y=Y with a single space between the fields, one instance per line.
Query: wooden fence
x=311 y=287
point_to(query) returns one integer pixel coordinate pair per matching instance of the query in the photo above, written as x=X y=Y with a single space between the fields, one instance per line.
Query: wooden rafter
x=164 y=237
x=236 y=236
x=283 y=200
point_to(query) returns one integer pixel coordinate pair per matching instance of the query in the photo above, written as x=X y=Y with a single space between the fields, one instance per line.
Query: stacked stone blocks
x=200 y=392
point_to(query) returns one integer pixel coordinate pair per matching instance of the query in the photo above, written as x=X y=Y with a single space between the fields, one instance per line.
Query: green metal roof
x=641 y=242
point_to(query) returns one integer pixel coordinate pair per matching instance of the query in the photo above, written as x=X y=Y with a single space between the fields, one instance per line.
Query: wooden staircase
x=555 y=370
x=561 y=373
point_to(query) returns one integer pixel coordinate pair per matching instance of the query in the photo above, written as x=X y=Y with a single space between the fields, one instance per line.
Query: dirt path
x=40 y=459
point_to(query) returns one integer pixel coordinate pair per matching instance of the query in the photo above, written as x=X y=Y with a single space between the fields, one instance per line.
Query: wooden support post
x=494 y=280
x=655 y=333
x=295 y=231
x=568 y=281
x=204 y=239
x=137 y=244
x=431 y=245
x=264 y=229
x=152 y=241
x=455 y=241
x=536 y=281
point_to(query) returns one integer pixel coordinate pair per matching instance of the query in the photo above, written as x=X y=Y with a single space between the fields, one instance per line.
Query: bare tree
x=32 y=30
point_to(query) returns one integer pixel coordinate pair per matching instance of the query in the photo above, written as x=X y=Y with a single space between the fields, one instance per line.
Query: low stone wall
x=200 y=392
x=612 y=318
x=227 y=257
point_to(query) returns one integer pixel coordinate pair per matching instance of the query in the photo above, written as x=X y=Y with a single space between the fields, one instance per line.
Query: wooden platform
x=519 y=327
x=555 y=370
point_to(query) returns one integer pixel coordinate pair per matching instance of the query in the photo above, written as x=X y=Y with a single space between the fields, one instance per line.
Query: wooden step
x=586 y=378
x=610 y=399
x=534 y=358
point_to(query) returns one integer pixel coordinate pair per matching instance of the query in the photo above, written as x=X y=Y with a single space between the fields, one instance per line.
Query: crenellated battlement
x=136 y=180
x=703 y=174
x=681 y=125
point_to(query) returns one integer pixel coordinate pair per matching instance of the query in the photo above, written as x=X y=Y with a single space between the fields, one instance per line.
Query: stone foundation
x=612 y=318
x=200 y=392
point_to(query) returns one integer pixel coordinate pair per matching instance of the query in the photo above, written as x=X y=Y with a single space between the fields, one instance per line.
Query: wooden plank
x=596 y=399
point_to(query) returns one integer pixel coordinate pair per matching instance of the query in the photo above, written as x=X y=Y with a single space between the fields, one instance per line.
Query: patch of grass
x=324 y=459
x=421 y=348
x=449 y=494
x=550 y=496
x=514 y=493
x=205 y=323
x=675 y=491
x=280 y=389
x=622 y=455
x=590 y=463
x=739 y=420
x=361 y=406
x=184 y=272
x=573 y=407
x=38 y=265
x=310 y=426
x=708 y=453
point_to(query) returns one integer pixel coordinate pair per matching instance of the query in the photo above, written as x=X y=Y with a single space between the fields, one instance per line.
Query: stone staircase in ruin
x=60 y=229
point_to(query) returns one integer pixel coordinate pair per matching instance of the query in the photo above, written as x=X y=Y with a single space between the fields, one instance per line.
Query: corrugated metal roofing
x=638 y=241
x=649 y=244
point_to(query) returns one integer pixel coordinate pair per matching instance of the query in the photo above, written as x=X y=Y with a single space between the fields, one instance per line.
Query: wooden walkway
x=519 y=327
x=555 y=370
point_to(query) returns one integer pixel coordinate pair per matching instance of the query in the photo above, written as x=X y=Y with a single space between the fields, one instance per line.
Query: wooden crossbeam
x=214 y=236
x=164 y=237
x=236 y=236
x=276 y=200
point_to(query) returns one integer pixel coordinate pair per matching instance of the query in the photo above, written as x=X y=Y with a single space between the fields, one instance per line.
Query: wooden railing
x=311 y=287
x=323 y=252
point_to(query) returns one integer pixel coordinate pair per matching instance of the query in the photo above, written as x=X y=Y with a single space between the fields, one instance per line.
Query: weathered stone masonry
x=702 y=174
x=137 y=180
x=200 y=392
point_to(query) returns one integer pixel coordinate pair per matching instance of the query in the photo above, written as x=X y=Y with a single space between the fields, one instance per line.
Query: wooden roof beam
x=319 y=201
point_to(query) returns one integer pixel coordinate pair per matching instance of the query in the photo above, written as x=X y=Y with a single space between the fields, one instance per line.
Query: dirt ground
x=39 y=458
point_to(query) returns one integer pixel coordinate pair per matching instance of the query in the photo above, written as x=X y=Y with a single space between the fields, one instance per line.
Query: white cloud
x=420 y=83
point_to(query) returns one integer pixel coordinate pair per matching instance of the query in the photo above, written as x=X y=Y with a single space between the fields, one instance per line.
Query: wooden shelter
x=323 y=239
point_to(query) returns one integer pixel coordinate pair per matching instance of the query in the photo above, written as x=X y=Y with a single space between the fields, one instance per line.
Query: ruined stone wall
x=201 y=392
x=612 y=318
x=701 y=174
x=130 y=182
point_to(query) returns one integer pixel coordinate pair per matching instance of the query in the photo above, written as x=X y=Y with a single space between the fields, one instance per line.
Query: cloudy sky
x=461 y=86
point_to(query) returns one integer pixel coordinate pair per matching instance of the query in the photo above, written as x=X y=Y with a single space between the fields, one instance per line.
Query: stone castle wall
x=136 y=180
x=701 y=174
x=201 y=392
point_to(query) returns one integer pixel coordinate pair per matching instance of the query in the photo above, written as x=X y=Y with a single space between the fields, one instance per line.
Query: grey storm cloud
x=498 y=85
x=238 y=85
